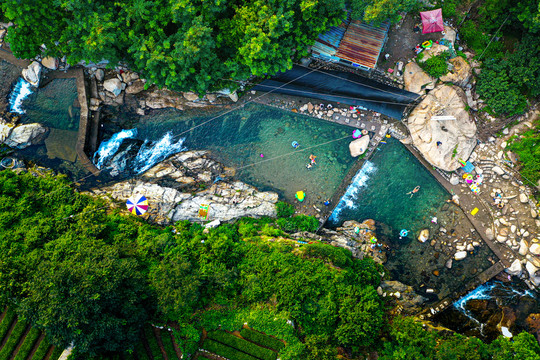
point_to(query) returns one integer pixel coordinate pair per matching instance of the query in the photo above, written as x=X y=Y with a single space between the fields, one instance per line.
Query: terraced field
x=19 y=341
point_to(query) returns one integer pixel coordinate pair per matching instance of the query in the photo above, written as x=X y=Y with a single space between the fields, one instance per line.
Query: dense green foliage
x=527 y=147
x=436 y=66
x=184 y=45
x=243 y=345
x=262 y=339
x=94 y=277
x=378 y=11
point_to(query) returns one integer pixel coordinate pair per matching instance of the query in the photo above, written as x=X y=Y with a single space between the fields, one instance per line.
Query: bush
x=242 y=345
x=338 y=256
x=527 y=148
x=436 y=66
x=28 y=344
x=42 y=350
x=262 y=339
x=225 y=351
x=284 y=209
x=13 y=340
x=168 y=345
x=298 y=223
x=6 y=323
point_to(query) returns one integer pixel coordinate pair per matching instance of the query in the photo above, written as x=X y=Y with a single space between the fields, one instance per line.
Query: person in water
x=414 y=191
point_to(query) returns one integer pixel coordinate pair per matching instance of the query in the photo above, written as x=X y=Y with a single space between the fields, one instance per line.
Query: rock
x=100 y=74
x=172 y=187
x=211 y=97
x=135 y=87
x=424 y=235
x=513 y=229
x=460 y=255
x=233 y=96
x=501 y=238
x=23 y=136
x=470 y=247
x=532 y=270
x=448 y=264
x=515 y=268
x=2 y=34
x=436 y=272
x=457 y=137
x=113 y=85
x=503 y=232
x=449 y=34
x=461 y=73
x=523 y=198
x=489 y=234
x=534 y=214
x=32 y=73
x=523 y=247
x=190 y=96
x=535 y=249
x=359 y=146
x=50 y=63
x=498 y=170
x=417 y=80
x=454 y=179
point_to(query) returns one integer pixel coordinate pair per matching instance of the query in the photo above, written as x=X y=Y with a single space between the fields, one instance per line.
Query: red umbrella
x=432 y=21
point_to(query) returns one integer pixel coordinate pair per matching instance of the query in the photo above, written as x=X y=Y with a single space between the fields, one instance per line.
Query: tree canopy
x=184 y=45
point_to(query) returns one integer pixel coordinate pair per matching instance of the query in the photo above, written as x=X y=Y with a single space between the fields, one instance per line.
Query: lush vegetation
x=436 y=66
x=94 y=279
x=184 y=45
x=378 y=11
x=527 y=147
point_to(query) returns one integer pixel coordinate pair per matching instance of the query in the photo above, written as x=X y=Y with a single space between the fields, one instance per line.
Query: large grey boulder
x=113 y=85
x=100 y=74
x=32 y=73
x=460 y=74
x=417 y=80
x=443 y=142
x=359 y=146
x=136 y=87
x=23 y=136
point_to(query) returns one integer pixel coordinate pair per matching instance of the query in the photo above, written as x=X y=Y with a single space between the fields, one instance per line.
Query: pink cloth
x=432 y=21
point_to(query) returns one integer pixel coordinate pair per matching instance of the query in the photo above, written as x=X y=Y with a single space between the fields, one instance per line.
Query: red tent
x=432 y=21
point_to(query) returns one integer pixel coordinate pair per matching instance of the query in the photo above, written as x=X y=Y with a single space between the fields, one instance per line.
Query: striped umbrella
x=137 y=204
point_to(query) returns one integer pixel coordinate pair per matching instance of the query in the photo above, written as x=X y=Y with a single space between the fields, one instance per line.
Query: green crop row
x=13 y=340
x=42 y=350
x=28 y=344
x=6 y=323
x=152 y=342
x=168 y=345
x=243 y=345
x=225 y=351
x=56 y=353
x=262 y=339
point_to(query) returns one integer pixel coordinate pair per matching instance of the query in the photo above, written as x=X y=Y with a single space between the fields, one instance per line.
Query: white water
x=149 y=154
x=152 y=153
x=21 y=91
x=350 y=198
x=108 y=148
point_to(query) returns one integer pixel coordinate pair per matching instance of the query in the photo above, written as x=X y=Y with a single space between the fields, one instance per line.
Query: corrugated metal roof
x=326 y=45
x=362 y=43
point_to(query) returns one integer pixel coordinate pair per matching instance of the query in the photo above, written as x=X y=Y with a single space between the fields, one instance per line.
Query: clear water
x=237 y=139
x=380 y=190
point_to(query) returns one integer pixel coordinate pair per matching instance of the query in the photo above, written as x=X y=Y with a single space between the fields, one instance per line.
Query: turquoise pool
x=380 y=191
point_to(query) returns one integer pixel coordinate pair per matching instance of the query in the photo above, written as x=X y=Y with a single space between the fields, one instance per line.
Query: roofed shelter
x=432 y=21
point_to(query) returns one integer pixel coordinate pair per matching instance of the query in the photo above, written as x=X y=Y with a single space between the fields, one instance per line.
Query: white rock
x=470 y=247
x=535 y=249
x=213 y=224
x=424 y=235
x=503 y=145
x=113 y=85
x=513 y=229
x=515 y=268
x=32 y=73
x=506 y=333
x=460 y=255
x=23 y=136
x=523 y=198
x=523 y=247
x=525 y=234
x=489 y=234
x=359 y=146
x=100 y=74
x=534 y=214
x=501 y=238
x=498 y=170
x=50 y=63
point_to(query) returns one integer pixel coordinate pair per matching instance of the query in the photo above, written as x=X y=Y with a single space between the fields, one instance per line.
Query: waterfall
x=152 y=153
x=21 y=91
x=149 y=154
x=108 y=148
x=350 y=197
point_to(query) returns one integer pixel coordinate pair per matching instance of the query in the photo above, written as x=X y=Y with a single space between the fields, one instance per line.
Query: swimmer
x=414 y=191
x=309 y=166
x=312 y=158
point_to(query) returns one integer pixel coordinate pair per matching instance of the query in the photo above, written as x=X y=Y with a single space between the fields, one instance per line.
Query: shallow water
x=381 y=191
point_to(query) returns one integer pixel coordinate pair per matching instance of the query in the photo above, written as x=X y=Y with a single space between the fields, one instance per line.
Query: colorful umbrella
x=356 y=134
x=137 y=204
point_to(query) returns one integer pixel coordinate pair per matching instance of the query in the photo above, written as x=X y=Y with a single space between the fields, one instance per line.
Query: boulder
x=359 y=146
x=460 y=255
x=113 y=85
x=449 y=34
x=443 y=143
x=489 y=234
x=523 y=198
x=535 y=249
x=135 y=87
x=454 y=179
x=534 y=214
x=497 y=170
x=532 y=270
x=32 y=73
x=424 y=235
x=23 y=136
x=435 y=50
x=50 y=62
x=233 y=96
x=515 y=268
x=523 y=247
x=417 y=80
x=190 y=96
x=5 y=130
x=100 y=74
x=461 y=73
